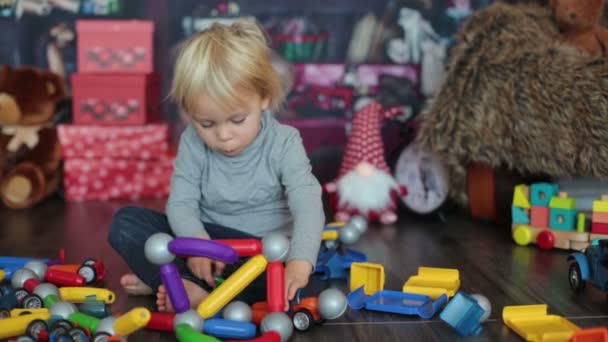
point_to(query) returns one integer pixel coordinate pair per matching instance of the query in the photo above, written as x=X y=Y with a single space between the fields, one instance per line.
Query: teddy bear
x=578 y=21
x=30 y=152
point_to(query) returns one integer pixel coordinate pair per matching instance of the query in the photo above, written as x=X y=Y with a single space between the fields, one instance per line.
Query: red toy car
x=303 y=313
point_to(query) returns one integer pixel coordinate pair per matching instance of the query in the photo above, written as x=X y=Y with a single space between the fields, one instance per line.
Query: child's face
x=230 y=132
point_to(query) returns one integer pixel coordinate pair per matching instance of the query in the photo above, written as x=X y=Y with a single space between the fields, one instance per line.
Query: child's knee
x=122 y=223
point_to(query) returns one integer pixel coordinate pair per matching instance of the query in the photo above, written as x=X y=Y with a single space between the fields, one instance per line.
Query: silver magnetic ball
x=349 y=235
x=275 y=247
x=237 y=311
x=485 y=305
x=190 y=317
x=359 y=222
x=38 y=267
x=46 y=289
x=107 y=325
x=63 y=309
x=157 y=249
x=279 y=322
x=21 y=276
x=332 y=303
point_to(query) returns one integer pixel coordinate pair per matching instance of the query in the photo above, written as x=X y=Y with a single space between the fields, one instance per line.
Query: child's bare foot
x=134 y=286
x=195 y=294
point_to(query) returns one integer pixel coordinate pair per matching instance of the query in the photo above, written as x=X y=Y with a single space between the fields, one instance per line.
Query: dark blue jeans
x=132 y=226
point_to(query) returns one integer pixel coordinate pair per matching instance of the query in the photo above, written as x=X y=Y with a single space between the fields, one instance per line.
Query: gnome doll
x=365 y=186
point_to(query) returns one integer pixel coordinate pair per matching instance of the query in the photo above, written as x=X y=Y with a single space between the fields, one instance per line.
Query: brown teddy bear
x=578 y=20
x=30 y=153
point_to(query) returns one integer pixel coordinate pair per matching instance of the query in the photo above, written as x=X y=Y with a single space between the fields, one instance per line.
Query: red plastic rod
x=31 y=284
x=161 y=321
x=61 y=278
x=244 y=247
x=275 y=286
x=271 y=336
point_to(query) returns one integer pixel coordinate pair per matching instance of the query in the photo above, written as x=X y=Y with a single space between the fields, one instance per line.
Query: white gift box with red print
x=116 y=162
x=123 y=142
x=107 y=179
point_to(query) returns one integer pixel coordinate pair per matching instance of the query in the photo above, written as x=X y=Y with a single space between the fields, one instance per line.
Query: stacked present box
x=116 y=147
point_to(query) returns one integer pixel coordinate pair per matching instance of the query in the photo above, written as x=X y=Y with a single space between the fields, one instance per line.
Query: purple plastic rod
x=175 y=287
x=203 y=248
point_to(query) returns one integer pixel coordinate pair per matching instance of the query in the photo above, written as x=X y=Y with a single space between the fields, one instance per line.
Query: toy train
x=543 y=215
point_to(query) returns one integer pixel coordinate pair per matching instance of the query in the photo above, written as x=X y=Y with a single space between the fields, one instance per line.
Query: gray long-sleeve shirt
x=268 y=187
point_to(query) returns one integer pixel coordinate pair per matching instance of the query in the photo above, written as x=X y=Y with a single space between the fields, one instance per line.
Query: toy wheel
x=20 y=294
x=35 y=328
x=4 y=314
x=89 y=262
x=78 y=335
x=577 y=283
x=545 y=240
x=331 y=244
x=88 y=272
x=32 y=301
x=302 y=320
x=59 y=328
x=101 y=337
x=522 y=235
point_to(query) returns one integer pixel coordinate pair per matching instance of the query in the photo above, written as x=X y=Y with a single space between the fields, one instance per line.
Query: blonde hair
x=221 y=59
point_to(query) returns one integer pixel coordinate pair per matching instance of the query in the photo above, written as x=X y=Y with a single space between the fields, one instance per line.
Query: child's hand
x=297 y=273
x=202 y=267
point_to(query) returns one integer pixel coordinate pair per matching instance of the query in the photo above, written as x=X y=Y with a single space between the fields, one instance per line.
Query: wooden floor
x=489 y=263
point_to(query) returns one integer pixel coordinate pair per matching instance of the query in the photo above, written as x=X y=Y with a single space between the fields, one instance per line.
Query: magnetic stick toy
x=161 y=249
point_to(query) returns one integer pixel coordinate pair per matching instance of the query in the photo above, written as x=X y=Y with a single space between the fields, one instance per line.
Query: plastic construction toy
x=532 y=323
x=216 y=327
x=434 y=282
x=107 y=329
x=162 y=249
x=543 y=215
x=367 y=275
x=465 y=313
x=27 y=280
x=56 y=306
x=591 y=335
x=591 y=266
x=396 y=302
x=334 y=259
x=91 y=269
x=305 y=312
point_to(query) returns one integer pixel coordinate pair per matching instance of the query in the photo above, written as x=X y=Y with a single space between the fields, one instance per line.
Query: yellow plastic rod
x=19 y=312
x=132 y=321
x=15 y=326
x=2 y=275
x=80 y=294
x=330 y=235
x=232 y=286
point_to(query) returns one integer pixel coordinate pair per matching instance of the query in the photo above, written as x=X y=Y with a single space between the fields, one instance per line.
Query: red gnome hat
x=365 y=143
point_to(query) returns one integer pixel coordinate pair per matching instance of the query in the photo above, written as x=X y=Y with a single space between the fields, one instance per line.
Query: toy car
x=590 y=265
x=303 y=313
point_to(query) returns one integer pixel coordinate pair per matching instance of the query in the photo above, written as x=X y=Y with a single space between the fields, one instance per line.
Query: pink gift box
x=115 y=99
x=115 y=46
x=107 y=178
x=117 y=142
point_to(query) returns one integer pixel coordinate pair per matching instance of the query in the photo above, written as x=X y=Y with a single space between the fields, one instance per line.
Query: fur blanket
x=514 y=97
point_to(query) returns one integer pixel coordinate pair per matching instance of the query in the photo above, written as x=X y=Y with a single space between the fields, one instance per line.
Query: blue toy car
x=590 y=265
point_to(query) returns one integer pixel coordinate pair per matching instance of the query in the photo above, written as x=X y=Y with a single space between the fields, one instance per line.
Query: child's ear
x=265 y=102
